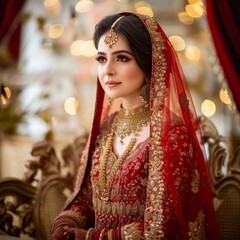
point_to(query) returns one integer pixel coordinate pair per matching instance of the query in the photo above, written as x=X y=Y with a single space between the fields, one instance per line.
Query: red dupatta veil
x=170 y=99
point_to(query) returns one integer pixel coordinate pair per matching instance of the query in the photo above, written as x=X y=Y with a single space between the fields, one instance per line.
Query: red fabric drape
x=222 y=18
x=10 y=25
x=170 y=103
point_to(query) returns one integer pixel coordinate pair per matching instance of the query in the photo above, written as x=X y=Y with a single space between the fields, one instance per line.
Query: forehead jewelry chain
x=111 y=37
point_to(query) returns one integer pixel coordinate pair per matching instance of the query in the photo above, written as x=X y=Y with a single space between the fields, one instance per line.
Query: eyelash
x=100 y=59
x=120 y=58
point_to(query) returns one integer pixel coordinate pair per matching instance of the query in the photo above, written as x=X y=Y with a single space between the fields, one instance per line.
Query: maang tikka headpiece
x=112 y=37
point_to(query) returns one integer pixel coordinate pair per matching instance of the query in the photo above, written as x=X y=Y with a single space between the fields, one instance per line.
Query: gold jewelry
x=110 y=100
x=105 y=185
x=124 y=123
x=89 y=233
x=128 y=121
x=144 y=94
x=112 y=37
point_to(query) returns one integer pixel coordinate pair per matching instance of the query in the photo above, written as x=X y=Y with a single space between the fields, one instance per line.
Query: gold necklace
x=125 y=123
x=105 y=185
x=129 y=121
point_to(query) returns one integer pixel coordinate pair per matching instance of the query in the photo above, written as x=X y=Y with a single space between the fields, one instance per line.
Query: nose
x=109 y=68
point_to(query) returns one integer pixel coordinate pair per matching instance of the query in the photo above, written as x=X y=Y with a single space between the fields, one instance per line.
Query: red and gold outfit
x=161 y=190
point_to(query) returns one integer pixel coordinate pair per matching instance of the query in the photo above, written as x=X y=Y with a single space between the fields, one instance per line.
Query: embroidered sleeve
x=80 y=212
x=133 y=231
x=181 y=168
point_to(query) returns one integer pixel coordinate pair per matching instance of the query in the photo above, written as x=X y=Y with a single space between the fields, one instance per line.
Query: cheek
x=135 y=76
x=132 y=70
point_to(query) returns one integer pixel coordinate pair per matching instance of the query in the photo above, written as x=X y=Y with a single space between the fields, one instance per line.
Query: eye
x=100 y=59
x=122 y=58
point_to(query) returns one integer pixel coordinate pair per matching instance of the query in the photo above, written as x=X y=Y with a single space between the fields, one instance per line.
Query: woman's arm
x=79 y=213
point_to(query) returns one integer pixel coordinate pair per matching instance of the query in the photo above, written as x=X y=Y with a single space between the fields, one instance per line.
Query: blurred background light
x=144 y=8
x=185 y=18
x=177 y=42
x=224 y=96
x=7 y=92
x=84 y=6
x=71 y=105
x=195 y=10
x=56 y=31
x=52 y=6
x=193 y=53
x=208 y=108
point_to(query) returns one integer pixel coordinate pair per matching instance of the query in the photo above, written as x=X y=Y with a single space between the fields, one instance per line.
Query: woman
x=142 y=174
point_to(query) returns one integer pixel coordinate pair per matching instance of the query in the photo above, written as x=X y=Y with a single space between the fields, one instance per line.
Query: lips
x=112 y=84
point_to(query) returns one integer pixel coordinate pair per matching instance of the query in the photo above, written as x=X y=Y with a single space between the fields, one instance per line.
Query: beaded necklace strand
x=135 y=118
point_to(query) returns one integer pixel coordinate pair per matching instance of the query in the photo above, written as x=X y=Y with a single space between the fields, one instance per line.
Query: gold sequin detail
x=196 y=228
x=156 y=188
x=195 y=181
x=128 y=121
x=131 y=232
x=106 y=184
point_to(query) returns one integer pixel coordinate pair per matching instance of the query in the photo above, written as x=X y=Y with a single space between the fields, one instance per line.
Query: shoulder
x=179 y=144
x=176 y=131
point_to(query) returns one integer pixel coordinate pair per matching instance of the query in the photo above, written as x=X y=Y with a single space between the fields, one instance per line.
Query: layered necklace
x=125 y=122
x=129 y=121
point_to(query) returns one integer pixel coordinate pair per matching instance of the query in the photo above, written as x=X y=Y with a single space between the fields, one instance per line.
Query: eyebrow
x=117 y=52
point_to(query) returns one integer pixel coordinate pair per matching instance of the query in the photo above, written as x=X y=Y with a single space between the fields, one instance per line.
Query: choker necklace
x=128 y=121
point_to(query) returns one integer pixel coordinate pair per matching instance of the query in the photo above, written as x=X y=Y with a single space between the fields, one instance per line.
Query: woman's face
x=118 y=71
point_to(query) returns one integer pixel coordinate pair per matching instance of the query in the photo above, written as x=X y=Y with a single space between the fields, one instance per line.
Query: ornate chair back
x=224 y=169
x=29 y=205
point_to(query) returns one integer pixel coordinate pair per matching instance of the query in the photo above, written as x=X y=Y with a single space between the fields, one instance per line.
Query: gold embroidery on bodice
x=121 y=189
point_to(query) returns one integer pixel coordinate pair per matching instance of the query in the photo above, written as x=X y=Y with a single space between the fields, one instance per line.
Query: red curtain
x=10 y=25
x=222 y=17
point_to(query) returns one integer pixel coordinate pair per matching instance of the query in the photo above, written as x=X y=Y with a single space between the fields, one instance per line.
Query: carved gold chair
x=29 y=205
x=225 y=174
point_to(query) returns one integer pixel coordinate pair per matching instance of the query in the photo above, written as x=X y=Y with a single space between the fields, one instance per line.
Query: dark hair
x=136 y=34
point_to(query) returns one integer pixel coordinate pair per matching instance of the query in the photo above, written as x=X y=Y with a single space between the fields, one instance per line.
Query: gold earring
x=144 y=96
x=110 y=100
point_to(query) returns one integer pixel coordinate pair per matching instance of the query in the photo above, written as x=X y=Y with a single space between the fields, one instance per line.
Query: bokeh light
x=145 y=8
x=185 y=18
x=193 y=53
x=56 y=31
x=71 y=105
x=224 y=96
x=208 y=108
x=53 y=6
x=195 y=10
x=177 y=42
x=84 y=6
